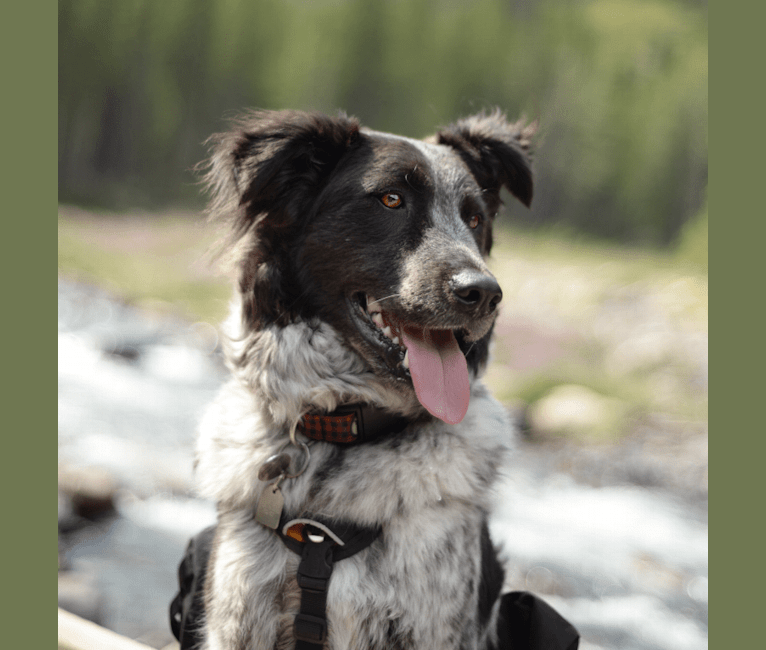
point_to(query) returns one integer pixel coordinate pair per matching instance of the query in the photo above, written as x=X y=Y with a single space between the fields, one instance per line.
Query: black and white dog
x=354 y=452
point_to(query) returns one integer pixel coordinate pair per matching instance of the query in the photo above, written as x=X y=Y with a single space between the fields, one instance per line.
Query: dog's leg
x=250 y=602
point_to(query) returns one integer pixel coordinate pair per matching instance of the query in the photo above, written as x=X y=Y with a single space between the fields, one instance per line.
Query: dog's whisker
x=393 y=295
x=407 y=178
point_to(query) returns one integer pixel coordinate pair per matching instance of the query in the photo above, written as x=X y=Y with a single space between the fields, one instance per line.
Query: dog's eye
x=474 y=221
x=391 y=200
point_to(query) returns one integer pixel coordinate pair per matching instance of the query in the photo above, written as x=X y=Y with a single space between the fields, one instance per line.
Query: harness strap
x=314 y=571
x=525 y=622
x=319 y=551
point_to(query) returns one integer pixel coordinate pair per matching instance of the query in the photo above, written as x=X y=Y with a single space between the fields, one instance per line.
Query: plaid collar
x=350 y=424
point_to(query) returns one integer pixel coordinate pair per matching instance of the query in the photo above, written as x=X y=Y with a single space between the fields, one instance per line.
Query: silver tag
x=270 y=505
x=273 y=467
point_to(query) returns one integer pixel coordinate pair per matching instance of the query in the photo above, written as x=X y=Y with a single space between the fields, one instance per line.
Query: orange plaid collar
x=350 y=424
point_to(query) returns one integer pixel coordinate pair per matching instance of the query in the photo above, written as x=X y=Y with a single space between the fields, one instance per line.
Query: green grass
x=154 y=261
x=693 y=247
x=576 y=282
x=626 y=263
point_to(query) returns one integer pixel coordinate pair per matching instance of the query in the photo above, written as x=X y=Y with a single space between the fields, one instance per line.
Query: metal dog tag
x=270 y=506
x=273 y=467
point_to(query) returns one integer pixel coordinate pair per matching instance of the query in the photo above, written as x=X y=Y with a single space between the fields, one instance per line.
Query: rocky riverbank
x=612 y=532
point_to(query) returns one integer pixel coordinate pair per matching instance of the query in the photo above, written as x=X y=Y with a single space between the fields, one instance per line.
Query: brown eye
x=391 y=200
x=474 y=221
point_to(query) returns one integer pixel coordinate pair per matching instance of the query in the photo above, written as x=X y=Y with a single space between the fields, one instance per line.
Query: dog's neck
x=305 y=367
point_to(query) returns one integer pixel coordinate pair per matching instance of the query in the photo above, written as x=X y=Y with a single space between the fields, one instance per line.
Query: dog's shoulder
x=234 y=438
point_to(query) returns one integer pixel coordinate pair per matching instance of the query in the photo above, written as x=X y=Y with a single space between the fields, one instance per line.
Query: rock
x=67 y=519
x=573 y=410
x=90 y=491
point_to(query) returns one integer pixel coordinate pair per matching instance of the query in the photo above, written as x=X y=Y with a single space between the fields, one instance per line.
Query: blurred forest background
x=620 y=88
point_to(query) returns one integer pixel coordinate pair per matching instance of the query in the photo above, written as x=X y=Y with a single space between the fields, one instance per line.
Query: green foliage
x=693 y=247
x=620 y=88
x=633 y=93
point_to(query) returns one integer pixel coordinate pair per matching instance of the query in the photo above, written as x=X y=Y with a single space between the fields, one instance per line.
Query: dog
x=358 y=334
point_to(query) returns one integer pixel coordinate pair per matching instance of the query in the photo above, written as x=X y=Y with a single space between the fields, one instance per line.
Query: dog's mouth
x=431 y=358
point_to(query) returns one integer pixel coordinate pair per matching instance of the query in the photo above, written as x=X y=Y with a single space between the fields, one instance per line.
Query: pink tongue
x=439 y=372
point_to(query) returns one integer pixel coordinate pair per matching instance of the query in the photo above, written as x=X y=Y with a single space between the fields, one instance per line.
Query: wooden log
x=76 y=633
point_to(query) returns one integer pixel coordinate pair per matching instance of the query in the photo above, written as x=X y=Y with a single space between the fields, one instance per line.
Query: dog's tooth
x=372 y=305
x=378 y=319
x=406 y=362
x=396 y=340
x=387 y=331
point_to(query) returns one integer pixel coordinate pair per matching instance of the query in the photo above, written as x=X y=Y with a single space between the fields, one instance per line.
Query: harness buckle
x=314 y=585
x=316 y=564
x=311 y=629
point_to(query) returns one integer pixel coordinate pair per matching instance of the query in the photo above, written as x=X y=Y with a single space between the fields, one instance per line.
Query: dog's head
x=382 y=237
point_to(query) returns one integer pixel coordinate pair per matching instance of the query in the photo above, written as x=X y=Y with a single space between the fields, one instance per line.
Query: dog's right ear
x=264 y=176
x=272 y=163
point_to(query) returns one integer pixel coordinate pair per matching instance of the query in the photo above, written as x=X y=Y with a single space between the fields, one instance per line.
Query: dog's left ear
x=497 y=152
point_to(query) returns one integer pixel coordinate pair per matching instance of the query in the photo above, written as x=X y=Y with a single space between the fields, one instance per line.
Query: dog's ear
x=497 y=152
x=264 y=176
x=273 y=163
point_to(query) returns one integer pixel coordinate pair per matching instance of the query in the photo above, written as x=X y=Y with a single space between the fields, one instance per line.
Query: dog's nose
x=477 y=291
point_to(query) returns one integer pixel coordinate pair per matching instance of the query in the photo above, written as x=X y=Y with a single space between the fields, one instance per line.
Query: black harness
x=319 y=551
x=525 y=622
x=321 y=543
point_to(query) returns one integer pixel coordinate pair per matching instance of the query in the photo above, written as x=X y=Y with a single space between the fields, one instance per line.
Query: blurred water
x=627 y=565
x=131 y=389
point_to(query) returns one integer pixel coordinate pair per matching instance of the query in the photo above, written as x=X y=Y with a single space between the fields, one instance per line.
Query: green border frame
x=28 y=48
x=736 y=227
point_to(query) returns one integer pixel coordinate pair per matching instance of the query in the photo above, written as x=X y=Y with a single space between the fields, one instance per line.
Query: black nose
x=477 y=291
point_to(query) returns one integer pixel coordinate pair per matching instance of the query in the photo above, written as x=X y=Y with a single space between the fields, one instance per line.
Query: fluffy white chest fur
x=430 y=490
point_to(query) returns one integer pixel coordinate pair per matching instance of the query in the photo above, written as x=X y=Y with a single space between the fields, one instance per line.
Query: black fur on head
x=264 y=175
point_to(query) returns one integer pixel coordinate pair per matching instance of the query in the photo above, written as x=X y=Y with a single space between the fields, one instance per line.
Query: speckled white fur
x=430 y=492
